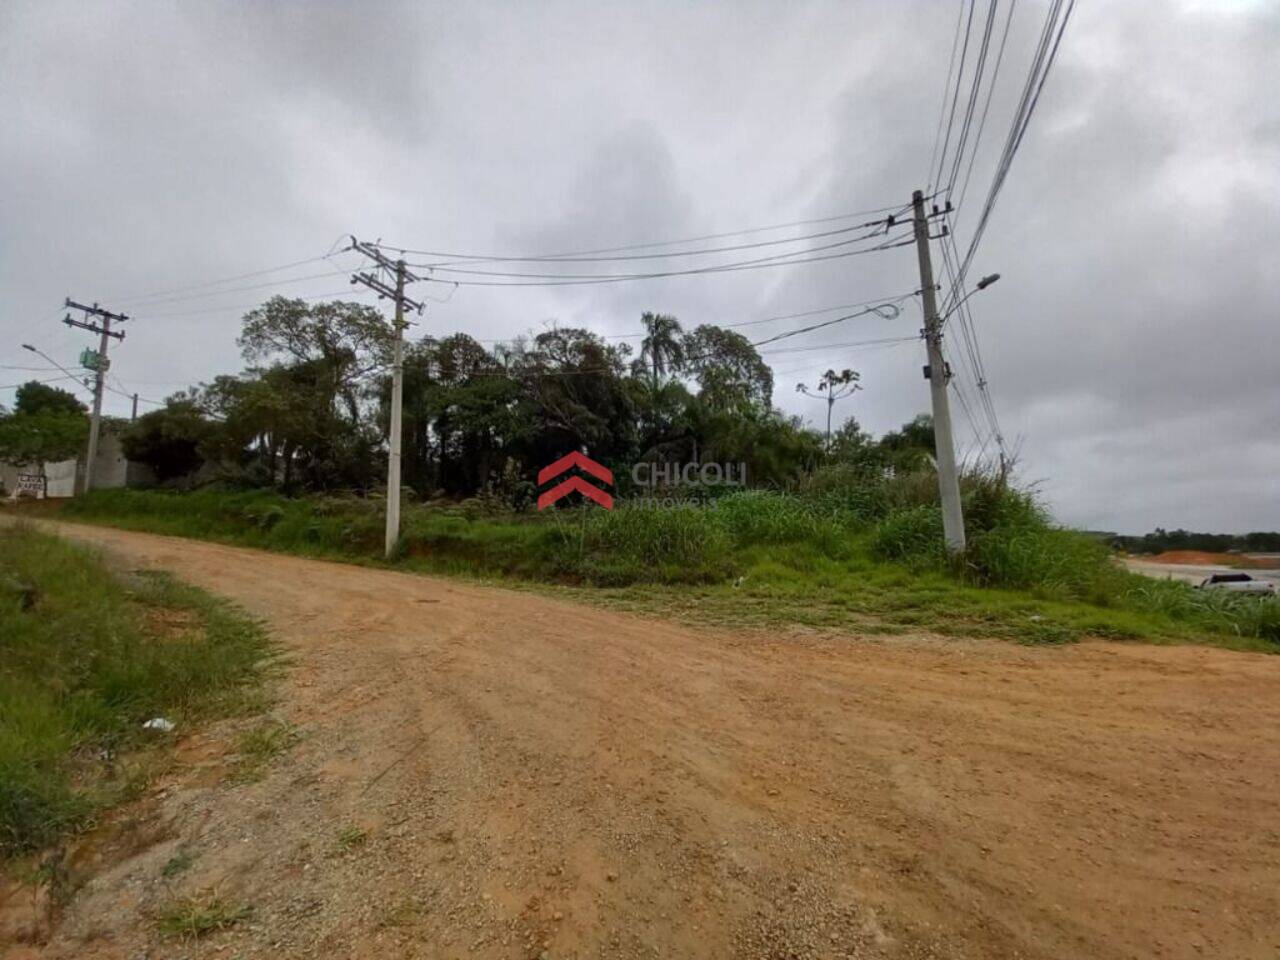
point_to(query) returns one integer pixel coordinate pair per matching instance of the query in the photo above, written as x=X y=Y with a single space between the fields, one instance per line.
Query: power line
x=563 y=258
x=214 y=283
x=991 y=87
x=946 y=89
x=877 y=310
x=841 y=346
x=724 y=268
x=11 y=386
x=483 y=258
x=256 y=286
x=250 y=306
x=593 y=276
x=1055 y=25
x=974 y=89
x=734 y=325
x=610 y=368
x=955 y=96
x=964 y=321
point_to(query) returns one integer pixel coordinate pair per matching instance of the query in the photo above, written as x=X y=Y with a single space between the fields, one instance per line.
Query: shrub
x=679 y=544
x=1250 y=616
x=857 y=491
x=762 y=516
x=912 y=534
x=1027 y=554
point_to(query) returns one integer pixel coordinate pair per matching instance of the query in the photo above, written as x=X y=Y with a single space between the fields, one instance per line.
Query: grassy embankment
x=840 y=553
x=87 y=655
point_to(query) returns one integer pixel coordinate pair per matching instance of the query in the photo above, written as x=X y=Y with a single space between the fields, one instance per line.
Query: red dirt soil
x=530 y=778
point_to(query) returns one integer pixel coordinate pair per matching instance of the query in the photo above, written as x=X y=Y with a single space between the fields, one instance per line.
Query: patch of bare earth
x=481 y=773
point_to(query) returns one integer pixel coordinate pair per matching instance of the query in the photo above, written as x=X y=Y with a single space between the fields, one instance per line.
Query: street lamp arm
x=978 y=287
x=74 y=376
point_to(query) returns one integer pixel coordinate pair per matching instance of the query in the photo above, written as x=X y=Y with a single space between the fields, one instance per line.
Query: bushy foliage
x=910 y=534
x=629 y=544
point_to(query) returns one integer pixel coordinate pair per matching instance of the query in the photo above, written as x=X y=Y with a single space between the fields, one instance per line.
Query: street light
x=73 y=376
x=982 y=284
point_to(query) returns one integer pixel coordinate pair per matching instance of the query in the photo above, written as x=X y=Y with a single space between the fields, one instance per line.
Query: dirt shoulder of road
x=477 y=772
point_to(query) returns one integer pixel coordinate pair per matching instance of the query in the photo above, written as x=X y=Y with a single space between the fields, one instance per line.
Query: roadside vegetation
x=847 y=548
x=836 y=530
x=87 y=656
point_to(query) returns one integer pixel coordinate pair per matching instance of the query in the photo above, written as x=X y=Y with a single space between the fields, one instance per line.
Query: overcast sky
x=1132 y=345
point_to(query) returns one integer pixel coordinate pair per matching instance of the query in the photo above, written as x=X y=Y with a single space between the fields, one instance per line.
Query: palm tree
x=661 y=350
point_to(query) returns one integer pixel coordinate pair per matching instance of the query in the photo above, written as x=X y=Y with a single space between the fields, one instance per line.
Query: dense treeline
x=1160 y=540
x=310 y=413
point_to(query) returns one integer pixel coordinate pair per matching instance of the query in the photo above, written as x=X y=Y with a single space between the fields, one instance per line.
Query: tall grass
x=85 y=658
x=831 y=531
x=630 y=544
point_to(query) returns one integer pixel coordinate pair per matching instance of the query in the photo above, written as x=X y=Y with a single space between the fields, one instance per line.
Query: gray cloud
x=1130 y=345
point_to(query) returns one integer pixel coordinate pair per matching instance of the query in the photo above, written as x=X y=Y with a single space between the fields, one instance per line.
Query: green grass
x=193 y=917
x=844 y=552
x=351 y=837
x=258 y=746
x=87 y=654
x=179 y=863
x=860 y=595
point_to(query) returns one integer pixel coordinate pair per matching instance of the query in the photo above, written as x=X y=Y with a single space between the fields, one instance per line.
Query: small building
x=111 y=470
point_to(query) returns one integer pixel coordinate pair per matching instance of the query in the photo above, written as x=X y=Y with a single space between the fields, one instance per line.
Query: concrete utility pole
x=134 y=415
x=397 y=403
x=936 y=371
x=100 y=370
x=376 y=282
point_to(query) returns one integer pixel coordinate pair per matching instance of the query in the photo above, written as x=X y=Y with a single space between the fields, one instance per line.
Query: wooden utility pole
x=100 y=365
x=377 y=281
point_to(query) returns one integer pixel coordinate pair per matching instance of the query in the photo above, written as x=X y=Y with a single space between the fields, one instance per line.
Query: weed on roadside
x=351 y=837
x=257 y=747
x=180 y=862
x=86 y=657
x=190 y=918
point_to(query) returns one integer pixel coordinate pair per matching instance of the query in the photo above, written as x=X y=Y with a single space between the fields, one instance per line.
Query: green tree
x=460 y=415
x=307 y=400
x=661 y=354
x=910 y=447
x=852 y=444
x=832 y=387
x=43 y=437
x=172 y=440
x=730 y=372
x=662 y=349
x=572 y=383
x=36 y=397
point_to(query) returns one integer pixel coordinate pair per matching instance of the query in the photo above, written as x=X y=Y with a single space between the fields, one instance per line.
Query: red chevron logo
x=565 y=487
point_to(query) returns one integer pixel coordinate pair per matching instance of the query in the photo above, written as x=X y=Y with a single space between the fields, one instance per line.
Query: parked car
x=1237 y=583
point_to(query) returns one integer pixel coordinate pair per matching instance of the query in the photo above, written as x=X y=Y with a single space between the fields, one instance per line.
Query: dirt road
x=538 y=778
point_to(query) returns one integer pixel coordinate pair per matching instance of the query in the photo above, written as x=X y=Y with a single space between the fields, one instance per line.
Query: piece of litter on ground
x=159 y=723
